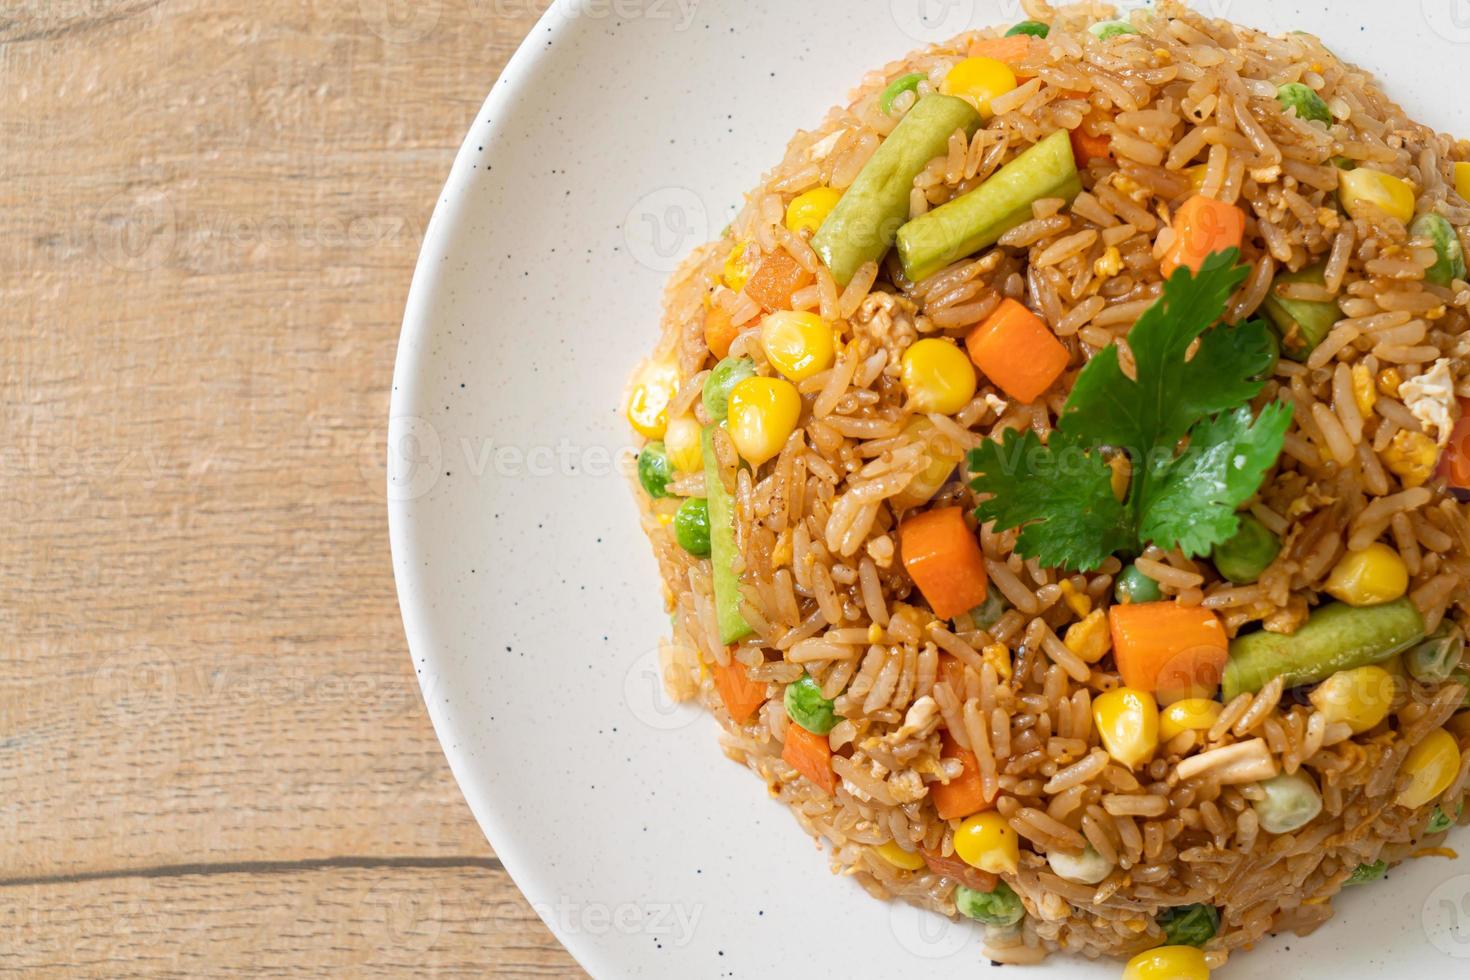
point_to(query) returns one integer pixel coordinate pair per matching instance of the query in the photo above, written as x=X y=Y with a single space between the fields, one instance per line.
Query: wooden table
x=213 y=754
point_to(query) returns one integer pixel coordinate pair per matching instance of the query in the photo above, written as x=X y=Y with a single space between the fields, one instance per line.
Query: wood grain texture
x=210 y=734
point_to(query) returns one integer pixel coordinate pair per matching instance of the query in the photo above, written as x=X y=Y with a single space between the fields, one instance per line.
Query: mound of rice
x=825 y=590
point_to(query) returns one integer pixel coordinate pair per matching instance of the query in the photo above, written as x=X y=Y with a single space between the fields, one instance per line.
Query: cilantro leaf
x=1193 y=497
x=1171 y=393
x=1060 y=495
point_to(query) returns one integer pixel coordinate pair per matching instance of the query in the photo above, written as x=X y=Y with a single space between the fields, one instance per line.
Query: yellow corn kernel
x=681 y=439
x=928 y=481
x=763 y=414
x=1197 y=175
x=875 y=633
x=986 y=841
x=998 y=655
x=738 y=268
x=937 y=376
x=798 y=345
x=1168 y=963
x=898 y=857
x=648 y=400
x=1412 y=457
x=806 y=212
x=1359 y=698
x=1389 y=381
x=1462 y=180
x=1109 y=264
x=781 y=553
x=978 y=80
x=1369 y=577
x=1367 y=193
x=1128 y=722
x=1090 y=639
x=1079 y=602
x=1364 y=394
x=1189 y=715
x=665 y=518
x=1432 y=766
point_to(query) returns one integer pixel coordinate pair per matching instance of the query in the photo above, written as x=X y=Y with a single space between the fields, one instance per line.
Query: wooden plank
x=362 y=922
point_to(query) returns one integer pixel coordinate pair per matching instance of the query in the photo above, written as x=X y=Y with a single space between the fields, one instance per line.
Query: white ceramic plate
x=620 y=136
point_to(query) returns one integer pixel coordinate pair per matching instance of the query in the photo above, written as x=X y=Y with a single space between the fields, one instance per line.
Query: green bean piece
x=654 y=470
x=1001 y=907
x=862 y=226
x=1033 y=27
x=1108 y=29
x=725 y=376
x=1301 y=323
x=1306 y=103
x=1462 y=678
x=732 y=625
x=977 y=220
x=1190 y=925
x=1291 y=802
x=1344 y=163
x=1335 y=637
x=1368 y=873
x=1439 y=821
x=988 y=613
x=1435 y=660
x=807 y=708
x=1134 y=586
x=1450 y=254
x=1250 y=552
x=691 y=526
x=1270 y=370
x=906 y=83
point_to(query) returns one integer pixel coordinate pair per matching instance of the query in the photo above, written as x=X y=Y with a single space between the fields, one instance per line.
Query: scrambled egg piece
x=1431 y=397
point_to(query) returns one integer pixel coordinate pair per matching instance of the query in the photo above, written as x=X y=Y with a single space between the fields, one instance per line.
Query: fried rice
x=1188 y=105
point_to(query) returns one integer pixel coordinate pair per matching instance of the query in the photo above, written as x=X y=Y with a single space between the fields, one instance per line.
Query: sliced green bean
x=1250 y=552
x=1308 y=105
x=1368 y=873
x=1435 y=660
x=1301 y=323
x=1035 y=28
x=897 y=87
x=733 y=627
x=1450 y=254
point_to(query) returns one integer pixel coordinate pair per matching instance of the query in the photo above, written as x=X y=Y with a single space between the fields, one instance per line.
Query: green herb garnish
x=1195 y=450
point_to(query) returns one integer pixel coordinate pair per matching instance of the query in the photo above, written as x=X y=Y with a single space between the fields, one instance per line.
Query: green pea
x=806 y=706
x=726 y=375
x=1434 y=661
x=1190 y=925
x=1307 y=103
x=1134 y=586
x=691 y=526
x=907 y=83
x=655 y=470
x=1033 y=27
x=1109 y=29
x=1001 y=907
x=1439 y=821
x=1250 y=552
x=1291 y=801
x=1364 y=874
x=988 y=613
x=1449 y=253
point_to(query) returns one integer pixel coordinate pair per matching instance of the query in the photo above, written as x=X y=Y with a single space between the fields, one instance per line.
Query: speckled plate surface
x=621 y=135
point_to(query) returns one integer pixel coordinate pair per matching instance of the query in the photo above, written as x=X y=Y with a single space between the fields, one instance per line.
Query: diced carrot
x=1011 y=50
x=1454 y=464
x=719 y=331
x=952 y=867
x=952 y=669
x=740 y=694
x=1086 y=146
x=944 y=559
x=1174 y=651
x=1202 y=227
x=964 y=794
x=810 y=755
x=1017 y=352
x=775 y=279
